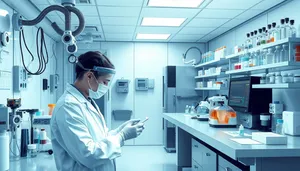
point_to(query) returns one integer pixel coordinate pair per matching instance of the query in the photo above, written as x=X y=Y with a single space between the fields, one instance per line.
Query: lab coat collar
x=76 y=93
x=80 y=97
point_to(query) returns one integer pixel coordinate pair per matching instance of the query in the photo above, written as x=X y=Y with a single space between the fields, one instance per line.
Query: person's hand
x=130 y=122
x=132 y=131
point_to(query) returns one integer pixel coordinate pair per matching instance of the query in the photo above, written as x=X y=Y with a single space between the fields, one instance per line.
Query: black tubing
x=44 y=13
x=81 y=20
x=57 y=29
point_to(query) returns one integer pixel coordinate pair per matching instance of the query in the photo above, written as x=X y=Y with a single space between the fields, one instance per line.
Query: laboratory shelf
x=209 y=88
x=265 y=46
x=291 y=65
x=212 y=75
x=277 y=86
x=214 y=63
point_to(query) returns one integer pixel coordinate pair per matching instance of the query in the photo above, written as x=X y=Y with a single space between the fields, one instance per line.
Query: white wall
x=33 y=97
x=237 y=37
x=146 y=60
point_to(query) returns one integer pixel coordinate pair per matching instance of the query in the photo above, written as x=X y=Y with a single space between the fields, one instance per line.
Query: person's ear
x=89 y=75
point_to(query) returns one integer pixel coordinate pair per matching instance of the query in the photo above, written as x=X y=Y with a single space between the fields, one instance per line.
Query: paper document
x=236 y=134
x=245 y=141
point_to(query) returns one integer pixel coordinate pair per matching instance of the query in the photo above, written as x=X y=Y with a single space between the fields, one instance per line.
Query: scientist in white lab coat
x=80 y=138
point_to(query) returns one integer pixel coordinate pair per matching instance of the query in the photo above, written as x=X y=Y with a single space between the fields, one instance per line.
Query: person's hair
x=90 y=59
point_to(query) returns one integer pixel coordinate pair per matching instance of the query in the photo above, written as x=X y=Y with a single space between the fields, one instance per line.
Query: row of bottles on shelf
x=269 y=34
x=278 y=78
x=261 y=57
x=218 y=54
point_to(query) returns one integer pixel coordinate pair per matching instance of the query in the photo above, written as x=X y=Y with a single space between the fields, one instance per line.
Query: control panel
x=20 y=78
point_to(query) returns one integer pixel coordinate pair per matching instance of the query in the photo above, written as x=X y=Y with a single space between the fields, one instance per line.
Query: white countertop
x=221 y=141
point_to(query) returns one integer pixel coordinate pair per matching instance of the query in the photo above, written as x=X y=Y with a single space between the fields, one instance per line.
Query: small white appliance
x=291 y=122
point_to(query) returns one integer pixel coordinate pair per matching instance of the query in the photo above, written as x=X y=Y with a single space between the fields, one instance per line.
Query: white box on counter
x=269 y=138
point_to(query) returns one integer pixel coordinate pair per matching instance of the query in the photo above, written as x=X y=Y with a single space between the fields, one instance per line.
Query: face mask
x=102 y=89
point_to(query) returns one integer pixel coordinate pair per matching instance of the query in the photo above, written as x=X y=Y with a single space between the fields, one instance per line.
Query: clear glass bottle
x=247 y=40
x=263 y=79
x=272 y=78
x=263 y=57
x=275 y=33
x=279 y=127
x=278 y=78
x=263 y=36
x=284 y=55
x=277 y=53
x=278 y=33
x=251 y=40
x=187 y=109
x=287 y=27
x=245 y=60
x=259 y=37
x=254 y=39
x=285 y=78
x=293 y=30
x=251 y=61
x=257 y=58
x=269 y=33
x=282 y=29
x=291 y=78
x=270 y=56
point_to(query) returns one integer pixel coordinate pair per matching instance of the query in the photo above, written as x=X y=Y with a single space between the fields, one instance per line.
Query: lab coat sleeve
x=80 y=144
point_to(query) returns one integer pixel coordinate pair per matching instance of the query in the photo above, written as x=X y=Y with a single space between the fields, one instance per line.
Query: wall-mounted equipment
x=45 y=84
x=122 y=86
x=53 y=83
x=68 y=36
x=144 y=84
x=4 y=27
x=141 y=84
x=20 y=79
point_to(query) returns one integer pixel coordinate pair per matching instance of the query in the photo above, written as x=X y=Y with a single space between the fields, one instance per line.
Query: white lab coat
x=80 y=138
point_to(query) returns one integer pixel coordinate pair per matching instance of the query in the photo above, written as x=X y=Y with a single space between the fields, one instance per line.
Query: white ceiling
x=120 y=20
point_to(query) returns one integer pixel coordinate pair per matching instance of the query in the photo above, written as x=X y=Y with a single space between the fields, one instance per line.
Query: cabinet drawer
x=196 y=166
x=225 y=165
x=197 y=150
x=209 y=160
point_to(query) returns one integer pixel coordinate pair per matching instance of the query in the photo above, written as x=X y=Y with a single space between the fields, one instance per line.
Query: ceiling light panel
x=175 y=3
x=170 y=22
x=152 y=36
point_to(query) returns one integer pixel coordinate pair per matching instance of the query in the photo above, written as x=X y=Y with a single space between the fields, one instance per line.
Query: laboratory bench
x=204 y=148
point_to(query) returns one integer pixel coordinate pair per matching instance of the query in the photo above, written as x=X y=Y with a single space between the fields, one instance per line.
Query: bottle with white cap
x=32 y=150
x=241 y=130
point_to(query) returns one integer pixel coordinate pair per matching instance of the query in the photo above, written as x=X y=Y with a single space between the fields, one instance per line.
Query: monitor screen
x=239 y=93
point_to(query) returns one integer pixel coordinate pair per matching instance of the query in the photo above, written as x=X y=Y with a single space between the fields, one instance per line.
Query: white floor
x=134 y=158
x=146 y=158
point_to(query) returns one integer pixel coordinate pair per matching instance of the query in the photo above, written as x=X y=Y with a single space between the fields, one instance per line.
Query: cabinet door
x=225 y=165
x=209 y=160
x=197 y=151
x=196 y=166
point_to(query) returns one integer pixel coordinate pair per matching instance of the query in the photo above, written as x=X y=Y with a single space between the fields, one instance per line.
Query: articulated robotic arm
x=68 y=36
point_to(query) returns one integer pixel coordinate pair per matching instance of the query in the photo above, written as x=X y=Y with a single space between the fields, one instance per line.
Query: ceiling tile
x=183 y=40
x=124 y=21
x=219 y=13
x=234 y=22
x=90 y=20
x=169 y=12
x=196 y=30
x=188 y=36
x=266 y=4
x=84 y=4
x=208 y=37
x=119 y=11
x=118 y=36
x=220 y=30
x=88 y=10
x=127 y=3
x=40 y=2
x=118 y=29
x=232 y=4
x=207 y=22
x=249 y=14
x=160 y=30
